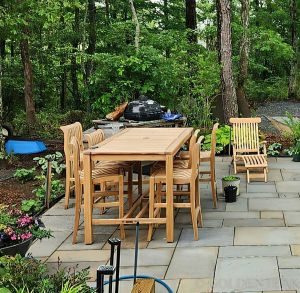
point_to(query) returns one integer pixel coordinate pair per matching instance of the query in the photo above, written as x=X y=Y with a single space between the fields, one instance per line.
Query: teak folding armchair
x=101 y=175
x=246 y=147
x=209 y=156
x=70 y=131
x=181 y=176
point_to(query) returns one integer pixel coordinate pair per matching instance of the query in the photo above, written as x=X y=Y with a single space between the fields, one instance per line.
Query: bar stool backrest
x=94 y=138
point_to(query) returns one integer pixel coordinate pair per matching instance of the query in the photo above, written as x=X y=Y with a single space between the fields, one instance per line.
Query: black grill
x=143 y=109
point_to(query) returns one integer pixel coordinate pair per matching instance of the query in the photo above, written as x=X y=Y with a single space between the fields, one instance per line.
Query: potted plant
x=230 y=193
x=296 y=151
x=18 y=230
x=231 y=180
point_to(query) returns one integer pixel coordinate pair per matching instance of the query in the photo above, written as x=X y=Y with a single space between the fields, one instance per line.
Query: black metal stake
x=136 y=250
x=115 y=242
x=101 y=272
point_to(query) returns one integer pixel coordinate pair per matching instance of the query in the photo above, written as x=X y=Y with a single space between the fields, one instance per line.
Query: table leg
x=87 y=185
x=169 y=199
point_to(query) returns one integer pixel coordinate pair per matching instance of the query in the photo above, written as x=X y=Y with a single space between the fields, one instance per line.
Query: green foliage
x=56 y=162
x=230 y=178
x=294 y=124
x=31 y=206
x=24 y=175
x=17 y=274
x=222 y=139
x=296 y=148
x=274 y=149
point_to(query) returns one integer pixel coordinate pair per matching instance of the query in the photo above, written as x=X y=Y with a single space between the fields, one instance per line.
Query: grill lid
x=143 y=109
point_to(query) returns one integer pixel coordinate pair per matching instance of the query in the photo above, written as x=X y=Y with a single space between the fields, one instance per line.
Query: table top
x=143 y=141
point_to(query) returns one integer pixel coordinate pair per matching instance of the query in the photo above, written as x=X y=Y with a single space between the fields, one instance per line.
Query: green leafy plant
x=24 y=175
x=57 y=188
x=222 y=139
x=17 y=274
x=296 y=148
x=230 y=178
x=294 y=124
x=31 y=206
x=55 y=159
x=274 y=149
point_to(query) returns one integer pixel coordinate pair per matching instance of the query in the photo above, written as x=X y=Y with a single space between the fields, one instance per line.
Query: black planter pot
x=230 y=193
x=20 y=248
x=296 y=157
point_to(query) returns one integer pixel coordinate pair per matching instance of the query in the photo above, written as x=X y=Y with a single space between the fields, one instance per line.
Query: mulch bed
x=12 y=191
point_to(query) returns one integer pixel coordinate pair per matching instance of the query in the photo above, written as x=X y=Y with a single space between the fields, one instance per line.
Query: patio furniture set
x=102 y=174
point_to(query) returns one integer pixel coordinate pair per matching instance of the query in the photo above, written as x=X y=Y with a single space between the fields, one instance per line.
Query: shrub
x=24 y=175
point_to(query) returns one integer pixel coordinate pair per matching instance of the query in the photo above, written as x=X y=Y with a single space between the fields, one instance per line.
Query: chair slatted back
x=74 y=149
x=245 y=134
x=192 y=142
x=70 y=131
x=95 y=137
x=214 y=139
x=196 y=157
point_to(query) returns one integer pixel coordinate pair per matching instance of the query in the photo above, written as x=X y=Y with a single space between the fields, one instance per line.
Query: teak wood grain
x=136 y=144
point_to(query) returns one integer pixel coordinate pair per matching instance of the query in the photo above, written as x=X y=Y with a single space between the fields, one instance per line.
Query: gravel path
x=276 y=109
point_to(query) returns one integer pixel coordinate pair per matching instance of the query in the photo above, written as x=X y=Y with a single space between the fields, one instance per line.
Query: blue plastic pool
x=23 y=147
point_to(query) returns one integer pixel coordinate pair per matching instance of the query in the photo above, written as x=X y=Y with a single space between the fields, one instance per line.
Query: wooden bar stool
x=209 y=156
x=101 y=175
x=181 y=176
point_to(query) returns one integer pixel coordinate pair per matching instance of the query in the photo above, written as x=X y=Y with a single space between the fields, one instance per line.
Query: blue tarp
x=171 y=117
x=24 y=147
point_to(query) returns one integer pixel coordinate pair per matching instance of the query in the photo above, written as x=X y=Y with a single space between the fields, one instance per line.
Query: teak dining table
x=135 y=144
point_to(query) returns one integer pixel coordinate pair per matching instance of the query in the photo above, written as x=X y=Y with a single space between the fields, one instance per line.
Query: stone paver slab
x=267 y=235
x=184 y=220
x=80 y=256
x=271 y=215
x=292 y=218
x=195 y=285
x=259 y=194
x=295 y=250
x=159 y=239
x=253 y=223
x=291 y=186
x=289 y=262
x=288 y=195
x=153 y=271
x=246 y=274
x=241 y=205
x=193 y=262
x=58 y=223
x=207 y=237
x=258 y=251
x=99 y=241
x=290 y=175
x=230 y=215
x=147 y=257
x=261 y=188
x=45 y=247
x=290 y=279
x=276 y=204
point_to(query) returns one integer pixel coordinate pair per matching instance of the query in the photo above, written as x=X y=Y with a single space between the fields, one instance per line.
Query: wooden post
x=144 y=286
x=48 y=184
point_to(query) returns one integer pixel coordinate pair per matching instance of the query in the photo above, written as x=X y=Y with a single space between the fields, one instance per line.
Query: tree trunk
x=243 y=104
x=92 y=39
x=137 y=27
x=74 y=65
x=191 y=20
x=28 y=80
x=107 y=9
x=228 y=91
x=294 y=40
x=218 y=41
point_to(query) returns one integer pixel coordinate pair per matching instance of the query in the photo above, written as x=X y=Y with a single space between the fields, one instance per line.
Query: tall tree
x=74 y=65
x=191 y=19
x=294 y=40
x=243 y=103
x=229 y=98
x=28 y=78
x=137 y=26
x=91 y=39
